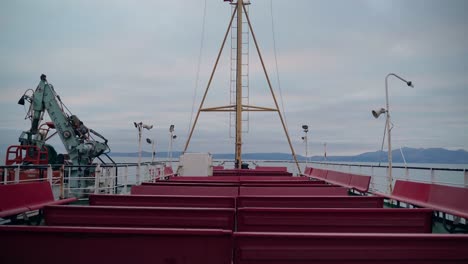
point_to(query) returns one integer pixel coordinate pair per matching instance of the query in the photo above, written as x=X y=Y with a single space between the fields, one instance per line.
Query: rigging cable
x=197 y=80
x=276 y=64
x=383 y=140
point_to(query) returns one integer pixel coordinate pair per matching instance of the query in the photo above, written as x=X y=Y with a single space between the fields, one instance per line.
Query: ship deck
x=238 y=216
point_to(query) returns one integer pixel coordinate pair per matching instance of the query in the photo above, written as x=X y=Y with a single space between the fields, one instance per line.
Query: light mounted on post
x=139 y=126
x=377 y=113
x=171 y=138
x=21 y=100
x=304 y=138
x=153 y=144
x=147 y=126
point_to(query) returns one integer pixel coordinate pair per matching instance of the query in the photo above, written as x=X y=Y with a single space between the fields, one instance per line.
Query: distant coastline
x=411 y=155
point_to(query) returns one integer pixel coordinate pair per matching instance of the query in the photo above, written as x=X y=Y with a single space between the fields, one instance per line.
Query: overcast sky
x=116 y=62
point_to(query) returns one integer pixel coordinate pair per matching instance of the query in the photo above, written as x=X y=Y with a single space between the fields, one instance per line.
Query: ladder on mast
x=239 y=81
x=244 y=74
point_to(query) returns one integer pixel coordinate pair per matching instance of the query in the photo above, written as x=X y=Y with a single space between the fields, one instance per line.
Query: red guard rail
x=311 y=202
x=271 y=168
x=235 y=179
x=288 y=184
x=242 y=172
x=349 y=180
x=364 y=220
x=292 y=191
x=231 y=191
x=271 y=178
x=77 y=245
x=447 y=199
x=20 y=198
x=163 y=201
x=237 y=184
x=205 y=179
x=321 y=248
x=185 y=183
x=154 y=217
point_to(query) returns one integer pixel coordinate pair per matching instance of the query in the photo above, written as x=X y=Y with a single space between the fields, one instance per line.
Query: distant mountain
x=412 y=155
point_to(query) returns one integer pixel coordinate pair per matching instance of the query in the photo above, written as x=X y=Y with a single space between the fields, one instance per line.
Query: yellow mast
x=238 y=162
x=239 y=107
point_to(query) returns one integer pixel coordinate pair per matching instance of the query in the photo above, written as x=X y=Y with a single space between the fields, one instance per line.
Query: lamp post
x=139 y=127
x=306 y=130
x=325 y=151
x=377 y=113
x=172 y=137
x=153 y=154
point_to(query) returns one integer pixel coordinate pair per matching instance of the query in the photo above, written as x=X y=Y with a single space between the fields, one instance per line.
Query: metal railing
x=101 y=179
x=439 y=175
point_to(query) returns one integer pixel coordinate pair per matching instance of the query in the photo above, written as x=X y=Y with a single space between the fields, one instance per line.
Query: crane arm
x=73 y=133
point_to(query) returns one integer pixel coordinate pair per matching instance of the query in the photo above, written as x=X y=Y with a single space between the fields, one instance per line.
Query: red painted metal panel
x=292 y=191
x=270 y=168
x=237 y=184
x=186 y=183
x=360 y=182
x=339 y=178
x=286 y=184
x=5 y=213
x=244 y=172
x=12 y=197
x=37 y=206
x=271 y=178
x=305 y=248
x=412 y=190
x=308 y=170
x=311 y=202
x=232 y=191
x=154 y=217
x=437 y=197
x=364 y=220
x=205 y=178
x=319 y=173
x=19 y=198
x=168 y=171
x=77 y=245
x=162 y=201
x=449 y=199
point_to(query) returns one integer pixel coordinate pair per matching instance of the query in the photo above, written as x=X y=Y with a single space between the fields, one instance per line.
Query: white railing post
x=465 y=172
x=17 y=174
x=372 y=178
x=69 y=180
x=97 y=176
x=5 y=175
x=62 y=182
x=125 y=179
x=113 y=176
x=147 y=174
x=158 y=172
x=432 y=176
x=49 y=174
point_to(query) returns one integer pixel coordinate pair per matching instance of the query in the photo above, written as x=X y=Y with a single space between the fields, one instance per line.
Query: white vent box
x=196 y=164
